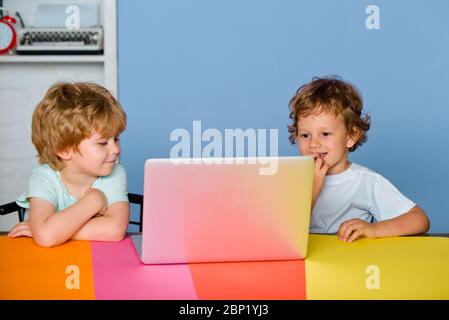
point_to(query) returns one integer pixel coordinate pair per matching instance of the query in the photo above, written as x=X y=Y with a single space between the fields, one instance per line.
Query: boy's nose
x=115 y=148
x=314 y=143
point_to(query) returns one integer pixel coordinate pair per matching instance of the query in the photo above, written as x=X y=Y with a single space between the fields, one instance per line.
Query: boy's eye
x=304 y=135
x=326 y=134
x=105 y=142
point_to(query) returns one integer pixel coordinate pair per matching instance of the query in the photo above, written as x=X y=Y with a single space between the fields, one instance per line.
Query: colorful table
x=393 y=268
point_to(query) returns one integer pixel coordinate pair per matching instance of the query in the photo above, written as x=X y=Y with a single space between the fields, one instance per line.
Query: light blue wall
x=236 y=64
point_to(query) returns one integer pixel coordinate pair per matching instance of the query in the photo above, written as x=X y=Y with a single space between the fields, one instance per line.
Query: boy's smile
x=99 y=154
x=320 y=155
x=325 y=136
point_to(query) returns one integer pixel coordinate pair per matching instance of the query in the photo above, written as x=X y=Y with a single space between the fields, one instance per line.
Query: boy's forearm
x=413 y=222
x=315 y=193
x=314 y=197
x=104 y=228
x=60 y=227
x=112 y=226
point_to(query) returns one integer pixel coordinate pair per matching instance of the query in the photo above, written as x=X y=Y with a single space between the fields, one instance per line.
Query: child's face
x=325 y=136
x=97 y=156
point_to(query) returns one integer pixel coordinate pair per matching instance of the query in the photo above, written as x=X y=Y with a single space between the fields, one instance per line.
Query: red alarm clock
x=8 y=35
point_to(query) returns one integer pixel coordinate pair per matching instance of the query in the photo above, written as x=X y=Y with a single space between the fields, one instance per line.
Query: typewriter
x=60 y=41
x=51 y=35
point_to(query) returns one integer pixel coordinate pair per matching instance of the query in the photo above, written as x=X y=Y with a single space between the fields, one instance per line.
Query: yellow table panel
x=388 y=268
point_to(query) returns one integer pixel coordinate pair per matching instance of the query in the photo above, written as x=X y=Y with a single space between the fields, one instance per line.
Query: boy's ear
x=66 y=154
x=352 y=138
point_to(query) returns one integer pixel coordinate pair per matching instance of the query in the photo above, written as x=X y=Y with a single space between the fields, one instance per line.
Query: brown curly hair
x=330 y=94
x=68 y=114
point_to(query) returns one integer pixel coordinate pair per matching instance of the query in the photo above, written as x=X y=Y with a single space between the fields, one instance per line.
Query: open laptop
x=223 y=211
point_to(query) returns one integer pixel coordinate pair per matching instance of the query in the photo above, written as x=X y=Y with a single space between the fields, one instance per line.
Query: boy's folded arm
x=50 y=228
x=414 y=221
x=112 y=226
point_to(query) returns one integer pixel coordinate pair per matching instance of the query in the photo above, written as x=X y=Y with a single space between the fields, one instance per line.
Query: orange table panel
x=268 y=280
x=32 y=272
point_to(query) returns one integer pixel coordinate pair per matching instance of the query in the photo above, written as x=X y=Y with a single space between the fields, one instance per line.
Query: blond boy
x=79 y=191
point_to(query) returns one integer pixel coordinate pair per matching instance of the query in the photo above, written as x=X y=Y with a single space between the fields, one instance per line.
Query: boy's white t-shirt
x=357 y=192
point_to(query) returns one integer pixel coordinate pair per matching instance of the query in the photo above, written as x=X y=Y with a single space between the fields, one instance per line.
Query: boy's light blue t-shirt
x=46 y=183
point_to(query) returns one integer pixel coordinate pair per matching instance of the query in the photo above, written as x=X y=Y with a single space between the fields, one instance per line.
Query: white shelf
x=52 y=58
